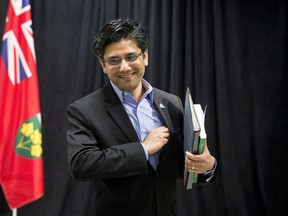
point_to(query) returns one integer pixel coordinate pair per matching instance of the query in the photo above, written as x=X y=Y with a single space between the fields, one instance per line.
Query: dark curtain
x=233 y=57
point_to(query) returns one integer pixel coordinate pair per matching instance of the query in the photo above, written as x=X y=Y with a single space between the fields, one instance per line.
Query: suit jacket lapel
x=161 y=104
x=118 y=113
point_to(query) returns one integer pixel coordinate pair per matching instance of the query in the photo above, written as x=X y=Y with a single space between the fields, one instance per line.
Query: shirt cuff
x=146 y=153
x=210 y=174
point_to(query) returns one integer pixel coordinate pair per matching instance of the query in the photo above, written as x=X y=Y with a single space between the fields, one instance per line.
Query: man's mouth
x=126 y=75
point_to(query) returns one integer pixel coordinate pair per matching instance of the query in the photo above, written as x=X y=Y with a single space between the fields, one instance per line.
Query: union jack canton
x=18 y=51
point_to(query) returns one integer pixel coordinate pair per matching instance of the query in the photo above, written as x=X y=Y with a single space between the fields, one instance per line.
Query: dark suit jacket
x=103 y=147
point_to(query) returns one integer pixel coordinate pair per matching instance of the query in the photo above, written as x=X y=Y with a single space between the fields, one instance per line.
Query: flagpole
x=14 y=212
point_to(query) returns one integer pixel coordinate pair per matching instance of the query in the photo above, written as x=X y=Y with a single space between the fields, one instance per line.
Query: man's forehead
x=122 y=47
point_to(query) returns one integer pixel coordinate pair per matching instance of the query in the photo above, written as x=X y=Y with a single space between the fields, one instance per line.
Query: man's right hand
x=156 y=139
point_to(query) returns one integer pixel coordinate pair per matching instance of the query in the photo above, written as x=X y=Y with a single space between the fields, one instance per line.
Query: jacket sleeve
x=95 y=153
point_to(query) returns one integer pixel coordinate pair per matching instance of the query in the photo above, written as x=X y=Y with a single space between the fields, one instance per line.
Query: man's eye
x=131 y=57
x=114 y=61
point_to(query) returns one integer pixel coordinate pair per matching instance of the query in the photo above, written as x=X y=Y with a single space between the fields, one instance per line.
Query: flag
x=21 y=162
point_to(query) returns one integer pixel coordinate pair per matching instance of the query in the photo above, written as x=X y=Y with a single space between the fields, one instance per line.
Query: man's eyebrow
x=127 y=54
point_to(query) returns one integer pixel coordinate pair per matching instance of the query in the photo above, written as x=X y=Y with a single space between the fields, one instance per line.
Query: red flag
x=21 y=163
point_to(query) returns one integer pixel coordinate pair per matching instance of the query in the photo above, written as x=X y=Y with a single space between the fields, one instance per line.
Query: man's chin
x=128 y=87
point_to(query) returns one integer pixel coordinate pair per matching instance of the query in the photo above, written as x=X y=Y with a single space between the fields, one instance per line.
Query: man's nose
x=124 y=65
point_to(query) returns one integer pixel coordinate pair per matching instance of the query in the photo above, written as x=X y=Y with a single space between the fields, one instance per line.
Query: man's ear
x=145 y=57
x=102 y=63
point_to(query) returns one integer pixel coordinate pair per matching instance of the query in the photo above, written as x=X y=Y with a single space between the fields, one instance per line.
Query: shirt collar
x=149 y=93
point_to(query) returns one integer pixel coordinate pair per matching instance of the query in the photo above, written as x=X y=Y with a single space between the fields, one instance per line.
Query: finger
x=165 y=135
x=164 y=129
x=188 y=162
x=191 y=168
x=189 y=155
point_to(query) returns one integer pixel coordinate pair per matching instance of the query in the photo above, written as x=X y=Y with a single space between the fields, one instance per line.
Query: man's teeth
x=128 y=75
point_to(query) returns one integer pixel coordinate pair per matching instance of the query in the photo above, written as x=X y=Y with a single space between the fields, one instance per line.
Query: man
x=127 y=136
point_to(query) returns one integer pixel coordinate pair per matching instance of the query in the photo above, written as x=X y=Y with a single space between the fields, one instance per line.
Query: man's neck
x=138 y=92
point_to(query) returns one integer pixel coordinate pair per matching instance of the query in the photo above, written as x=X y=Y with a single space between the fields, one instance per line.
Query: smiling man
x=127 y=136
x=126 y=75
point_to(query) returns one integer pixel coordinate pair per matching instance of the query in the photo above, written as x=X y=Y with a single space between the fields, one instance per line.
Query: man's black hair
x=117 y=30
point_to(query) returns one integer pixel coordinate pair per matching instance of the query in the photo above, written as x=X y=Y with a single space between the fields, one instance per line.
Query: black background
x=231 y=54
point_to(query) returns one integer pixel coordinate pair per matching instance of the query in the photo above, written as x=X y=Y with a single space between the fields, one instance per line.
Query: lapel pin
x=162 y=106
